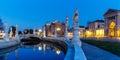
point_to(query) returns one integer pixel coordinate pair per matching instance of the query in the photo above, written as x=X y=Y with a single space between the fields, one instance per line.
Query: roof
x=111 y=11
x=96 y=21
x=99 y=21
x=82 y=26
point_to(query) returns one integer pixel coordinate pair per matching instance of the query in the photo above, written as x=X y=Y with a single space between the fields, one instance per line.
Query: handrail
x=79 y=54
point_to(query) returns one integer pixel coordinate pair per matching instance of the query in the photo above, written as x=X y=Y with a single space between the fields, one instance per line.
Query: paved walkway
x=94 y=53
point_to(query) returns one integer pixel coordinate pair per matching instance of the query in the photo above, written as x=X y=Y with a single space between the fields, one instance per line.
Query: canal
x=41 y=51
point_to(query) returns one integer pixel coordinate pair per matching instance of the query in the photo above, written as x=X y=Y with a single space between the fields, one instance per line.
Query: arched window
x=112 y=27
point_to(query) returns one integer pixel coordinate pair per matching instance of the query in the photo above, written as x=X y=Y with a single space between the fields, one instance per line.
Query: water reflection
x=42 y=51
x=46 y=46
x=58 y=51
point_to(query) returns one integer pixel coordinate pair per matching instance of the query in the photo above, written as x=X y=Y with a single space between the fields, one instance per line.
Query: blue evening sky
x=35 y=13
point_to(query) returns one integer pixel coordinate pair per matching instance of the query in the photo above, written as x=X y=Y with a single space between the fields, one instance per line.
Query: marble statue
x=16 y=35
x=11 y=32
x=76 y=38
x=55 y=33
x=6 y=38
x=66 y=29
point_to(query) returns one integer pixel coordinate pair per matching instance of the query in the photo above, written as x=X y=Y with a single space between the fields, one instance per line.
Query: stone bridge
x=28 y=35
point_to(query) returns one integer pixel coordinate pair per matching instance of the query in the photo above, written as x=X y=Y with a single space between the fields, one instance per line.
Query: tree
x=26 y=31
x=13 y=30
x=31 y=31
x=19 y=32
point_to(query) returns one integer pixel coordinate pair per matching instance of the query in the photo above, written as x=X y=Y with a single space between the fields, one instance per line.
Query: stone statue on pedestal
x=11 y=33
x=43 y=32
x=6 y=38
x=16 y=35
x=66 y=29
x=76 y=38
x=55 y=33
x=34 y=31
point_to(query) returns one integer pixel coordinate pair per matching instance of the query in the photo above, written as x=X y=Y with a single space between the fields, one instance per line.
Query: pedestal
x=76 y=38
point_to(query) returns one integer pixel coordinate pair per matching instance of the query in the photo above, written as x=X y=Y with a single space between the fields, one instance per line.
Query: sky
x=29 y=14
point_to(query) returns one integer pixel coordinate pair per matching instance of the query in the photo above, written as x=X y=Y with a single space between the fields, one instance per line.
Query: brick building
x=51 y=27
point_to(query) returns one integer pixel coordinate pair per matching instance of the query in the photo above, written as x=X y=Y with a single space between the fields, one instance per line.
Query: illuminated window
x=88 y=34
x=58 y=29
x=112 y=25
x=118 y=32
x=112 y=31
x=99 y=33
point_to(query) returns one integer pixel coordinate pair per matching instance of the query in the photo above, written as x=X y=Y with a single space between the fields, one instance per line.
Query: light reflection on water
x=42 y=51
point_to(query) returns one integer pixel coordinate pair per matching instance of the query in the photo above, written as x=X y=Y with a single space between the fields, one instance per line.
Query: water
x=42 y=51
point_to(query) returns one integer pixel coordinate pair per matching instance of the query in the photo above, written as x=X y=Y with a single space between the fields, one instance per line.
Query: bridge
x=27 y=36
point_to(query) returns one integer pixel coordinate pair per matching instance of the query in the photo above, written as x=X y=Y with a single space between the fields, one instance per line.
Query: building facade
x=82 y=31
x=112 y=23
x=95 y=29
x=51 y=27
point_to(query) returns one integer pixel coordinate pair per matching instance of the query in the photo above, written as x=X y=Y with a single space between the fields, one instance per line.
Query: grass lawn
x=113 y=47
x=1 y=38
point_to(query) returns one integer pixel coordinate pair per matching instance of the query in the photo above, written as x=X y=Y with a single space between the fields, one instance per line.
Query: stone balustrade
x=7 y=44
x=74 y=52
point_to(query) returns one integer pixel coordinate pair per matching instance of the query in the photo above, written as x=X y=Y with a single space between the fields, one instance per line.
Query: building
x=95 y=29
x=109 y=28
x=81 y=31
x=112 y=23
x=50 y=29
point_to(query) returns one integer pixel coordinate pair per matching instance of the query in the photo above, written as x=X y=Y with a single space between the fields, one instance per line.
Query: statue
x=43 y=32
x=55 y=33
x=66 y=29
x=34 y=31
x=75 y=19
x=16 y=35
x=6 y=38
x=76 y=38
x=11 y=33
